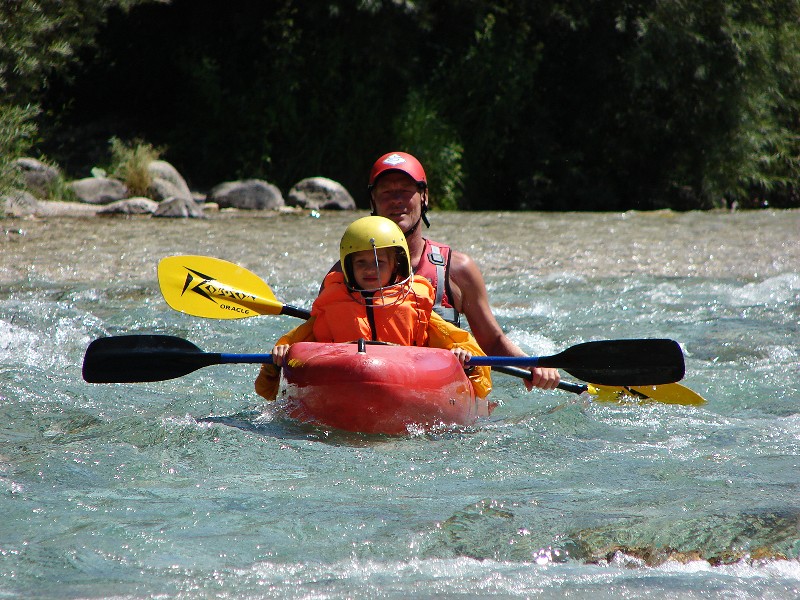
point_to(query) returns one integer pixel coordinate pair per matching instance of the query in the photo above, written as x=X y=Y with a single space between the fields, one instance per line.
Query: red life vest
x=434 y=265
x=345 y=316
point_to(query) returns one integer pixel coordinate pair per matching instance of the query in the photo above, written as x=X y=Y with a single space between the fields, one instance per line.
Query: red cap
x=398 y=161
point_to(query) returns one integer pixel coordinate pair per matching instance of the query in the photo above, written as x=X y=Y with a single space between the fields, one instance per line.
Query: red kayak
x=375 y=388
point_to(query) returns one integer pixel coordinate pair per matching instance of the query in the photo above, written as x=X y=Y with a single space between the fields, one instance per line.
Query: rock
x=57 y=208
x=166 y=181
x=177 y=207
x=161 y=189
x=38 y=176
x=320 y=193
x=19 y=203
x=98 y=190
x=130 y=206
x=248 y=194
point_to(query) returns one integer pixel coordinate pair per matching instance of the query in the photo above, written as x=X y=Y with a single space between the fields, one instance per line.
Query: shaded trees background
x=554 y=105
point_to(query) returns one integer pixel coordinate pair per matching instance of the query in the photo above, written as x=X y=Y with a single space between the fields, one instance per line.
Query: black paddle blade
x=139 y=358
x=622 y=362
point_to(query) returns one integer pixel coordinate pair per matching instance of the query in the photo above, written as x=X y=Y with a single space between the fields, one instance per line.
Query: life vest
x=343 y=315
x=347 y=318
x=434 y=265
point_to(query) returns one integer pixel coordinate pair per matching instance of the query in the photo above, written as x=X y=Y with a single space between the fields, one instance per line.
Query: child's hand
x=278 y=354
x=461 y=354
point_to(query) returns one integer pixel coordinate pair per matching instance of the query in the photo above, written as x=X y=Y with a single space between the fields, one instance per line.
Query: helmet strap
x=424 y=207
x=423 y=217
x=413 y=228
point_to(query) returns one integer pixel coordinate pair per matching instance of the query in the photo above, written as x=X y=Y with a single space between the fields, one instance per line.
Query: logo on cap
x=394 y=160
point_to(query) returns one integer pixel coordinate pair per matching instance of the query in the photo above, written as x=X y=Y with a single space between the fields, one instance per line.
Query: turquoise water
x=193 y=488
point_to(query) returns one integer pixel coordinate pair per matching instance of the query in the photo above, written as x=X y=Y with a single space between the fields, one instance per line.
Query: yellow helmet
x=374 y=233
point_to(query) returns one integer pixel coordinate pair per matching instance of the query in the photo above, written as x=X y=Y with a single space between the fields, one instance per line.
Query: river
x=194 y=488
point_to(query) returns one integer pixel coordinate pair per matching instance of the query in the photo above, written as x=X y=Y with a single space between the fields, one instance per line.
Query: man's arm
x=471 y=298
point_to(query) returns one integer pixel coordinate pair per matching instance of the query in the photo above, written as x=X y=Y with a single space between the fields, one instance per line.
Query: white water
x=192 y=488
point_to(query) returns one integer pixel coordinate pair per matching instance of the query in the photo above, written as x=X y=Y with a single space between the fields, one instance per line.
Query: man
x=399 y=191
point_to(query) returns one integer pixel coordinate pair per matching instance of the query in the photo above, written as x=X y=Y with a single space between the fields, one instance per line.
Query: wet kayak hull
x=384 y=389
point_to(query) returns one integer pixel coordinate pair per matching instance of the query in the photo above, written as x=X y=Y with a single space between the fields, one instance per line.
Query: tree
x=554 y=105
x=37 y=39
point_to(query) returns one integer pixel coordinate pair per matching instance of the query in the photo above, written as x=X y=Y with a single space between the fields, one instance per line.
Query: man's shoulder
x=460 y=261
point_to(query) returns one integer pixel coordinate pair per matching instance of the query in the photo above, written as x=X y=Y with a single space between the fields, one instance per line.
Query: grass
x=130 y=161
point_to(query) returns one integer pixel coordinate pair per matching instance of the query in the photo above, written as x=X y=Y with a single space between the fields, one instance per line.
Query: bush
x=424 y=133
x=130 y=162
x=17 y=131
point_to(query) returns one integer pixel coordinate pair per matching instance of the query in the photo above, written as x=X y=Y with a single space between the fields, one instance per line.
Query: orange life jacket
x=347 y=318
x=343 y=315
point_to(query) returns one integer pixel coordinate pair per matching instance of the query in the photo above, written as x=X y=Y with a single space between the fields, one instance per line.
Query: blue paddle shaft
x=490 y=361
x=225 y=358
x=478 y=361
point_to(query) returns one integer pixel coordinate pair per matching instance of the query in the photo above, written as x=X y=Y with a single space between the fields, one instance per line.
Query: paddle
x=610 y=362
x=135 y=358
x=140 y=358
x=213 y=288
x=670 y=393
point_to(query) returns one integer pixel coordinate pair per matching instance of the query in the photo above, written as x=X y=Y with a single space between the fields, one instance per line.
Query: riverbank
x=746 y=245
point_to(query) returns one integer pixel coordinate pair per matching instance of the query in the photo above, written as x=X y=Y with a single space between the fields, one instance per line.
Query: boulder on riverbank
x=98 y=190
x=19 y=203
x=167 y=195
x=39 y=177
x=178 y=207
x=130 y=206
x=166 y=182
x=248 y=194
x=320 y=193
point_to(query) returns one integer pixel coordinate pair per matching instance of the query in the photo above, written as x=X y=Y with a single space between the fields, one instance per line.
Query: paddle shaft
x=143 y=358
x=294 y=311
x=567 y=386
x=671 y=393
x=127 y=359
x=228 y=358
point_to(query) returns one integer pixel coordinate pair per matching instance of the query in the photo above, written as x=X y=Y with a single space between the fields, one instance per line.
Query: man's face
x=396 y=197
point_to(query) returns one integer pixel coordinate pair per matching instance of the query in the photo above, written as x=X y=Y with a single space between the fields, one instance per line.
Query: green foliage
x=130 y=162
x=58 y=190
x=510 y=104
x=421 y=131
x=714 y=94
x=38 y=38
x=17 y=133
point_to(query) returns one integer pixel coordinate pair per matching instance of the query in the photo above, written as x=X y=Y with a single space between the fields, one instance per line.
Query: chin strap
x=423 y=217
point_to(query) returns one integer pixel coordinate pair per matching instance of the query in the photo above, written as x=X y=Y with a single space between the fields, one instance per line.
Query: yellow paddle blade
x=214 y=288
x=670 y=393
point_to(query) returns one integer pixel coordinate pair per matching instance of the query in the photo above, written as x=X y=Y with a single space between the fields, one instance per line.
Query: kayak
x=377 y=388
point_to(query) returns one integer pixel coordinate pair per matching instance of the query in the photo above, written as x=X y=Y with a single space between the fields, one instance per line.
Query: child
x=376 y=297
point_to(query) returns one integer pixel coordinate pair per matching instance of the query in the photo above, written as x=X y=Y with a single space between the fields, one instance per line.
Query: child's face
x=364 y=272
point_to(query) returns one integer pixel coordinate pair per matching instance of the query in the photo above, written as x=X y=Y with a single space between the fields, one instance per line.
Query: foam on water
x=192 y=487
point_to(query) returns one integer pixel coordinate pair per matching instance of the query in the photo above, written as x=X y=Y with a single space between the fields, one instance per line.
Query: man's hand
x=544 y=379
